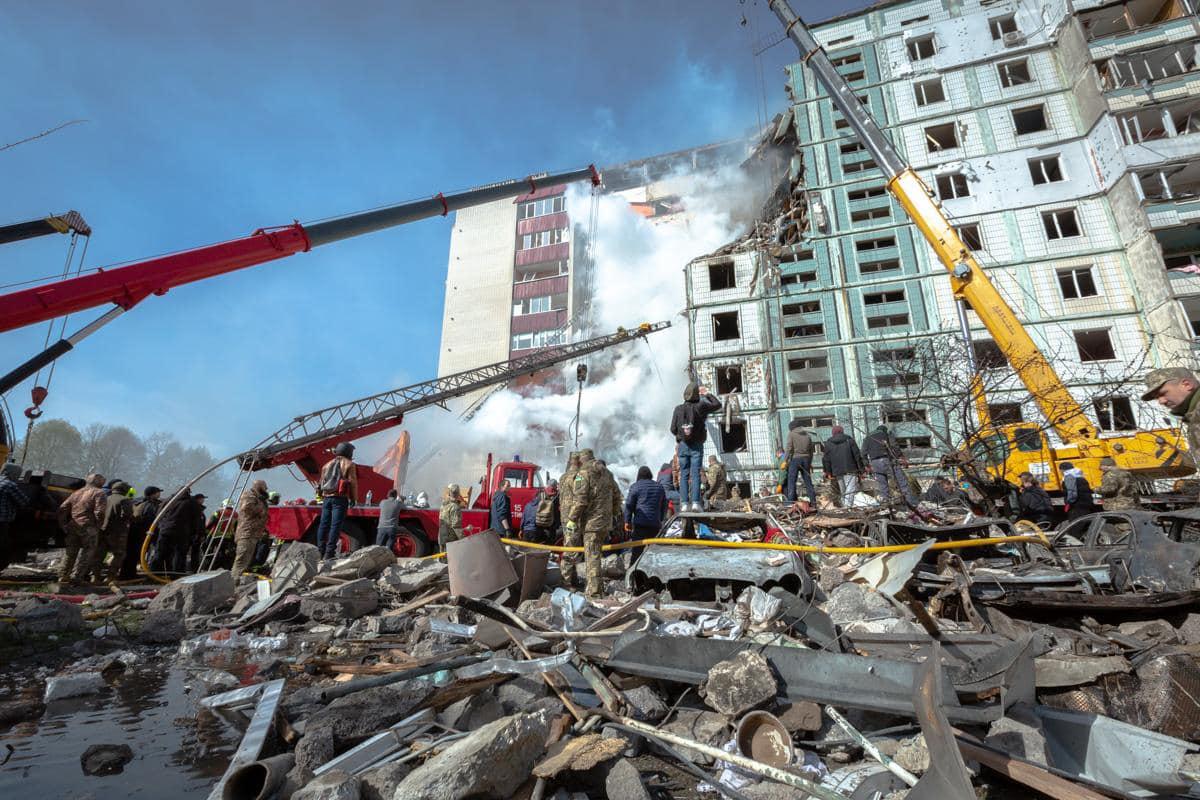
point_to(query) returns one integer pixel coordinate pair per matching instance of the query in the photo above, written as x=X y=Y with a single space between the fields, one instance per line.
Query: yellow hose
x=145 y=564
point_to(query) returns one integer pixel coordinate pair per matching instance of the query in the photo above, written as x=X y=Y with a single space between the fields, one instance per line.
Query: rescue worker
x=943 y=491
x=529 y=518
x=842 y=463
x=389 y=520
x=182 y=520
x=566 y=488
x=500 y=518
x=251 y=526
x=195 y=546
x=12 y=500
x=339 y=488
x=1033 y=503
x=687 y=426
x=1077 y=492
x=1178 y=390
x=718 y=489
x=144 y=512
x=114 y=533
x=882 y=452
x=645 y=508
x=618 y=518
x=798 y=453
x=450 y=525
x=548 y=517
x=590 y=521
x=1117 y=487
x=80 y=516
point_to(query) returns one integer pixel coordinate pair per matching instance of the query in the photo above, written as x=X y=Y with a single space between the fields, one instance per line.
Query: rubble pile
x=1063 y=666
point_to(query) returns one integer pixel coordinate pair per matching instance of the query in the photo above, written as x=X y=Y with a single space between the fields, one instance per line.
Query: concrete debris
x=20 y=710
x=203 y=593
x=331 y=786
x=78 y=685
x=410 y=575
x=366 y=562
x=624 y=782
x=295 y=568
x=705 y=727
x=381 y=782
x=105 y=759
x=579 y=755
x=35 y=615
x=743 y=682
x=164 y=626
x=336 y=603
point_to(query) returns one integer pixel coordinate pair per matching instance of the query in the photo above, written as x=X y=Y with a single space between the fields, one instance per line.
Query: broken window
x=1002 y=25
x=729 y=379
x=941 y=137
x=807 y=331
x=866 y=194
x=1005 y=413
x=988 y=355
x=1111 y=19
x=952 y=186
x=893 y=355
x=1030 y=119
x=1157 y=63
x=725 y=326
x=814 y=422
x=1045 y=170
x=795 y=255
x=879 y=298
x=1094 y=345
x=853 y=147
x=863 y=245
x=857 y=75
x=858 y=166
x=842 y=40
x=971 y=236
x=809 y=387
x=734 y=439
x=721 y=275
x=896 y=416
x=796 y=278
x=921 y=47
x=872 y=267
x=1076 y=283
x=846 y=60
x=546 y=269
x=897 y=380
x=868 y=214
x=808 y=362
x=904 y=23
x=914 y=442
x=929 y=91
x=1115 y=414
x=807 y=307
x=1014 y=73
x=887 y=321
x=1061 y=224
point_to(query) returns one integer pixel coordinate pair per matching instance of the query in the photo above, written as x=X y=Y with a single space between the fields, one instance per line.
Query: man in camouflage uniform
x=572 y=536
x=1178 y=390
x=591 y=518
x=1117 y=487
x=251 y=526
x=80 y=516
x=566 y=487
x=114 y=532
x=718 y=488
x=450 y=527
x=618 y=501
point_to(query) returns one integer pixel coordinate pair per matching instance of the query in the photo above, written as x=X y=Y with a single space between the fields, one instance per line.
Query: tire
x=411 y=542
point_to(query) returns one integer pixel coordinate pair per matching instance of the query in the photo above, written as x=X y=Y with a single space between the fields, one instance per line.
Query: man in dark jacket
x=529 y=519
x=1033 y=503
x=1077 y=492
x=666 y=479
x=144 y=512
x=842 y=463
x=180 y=524
x=883 y=454
x=645 y=507
x=548 y=514
x=943 y=492
x=798 y=453
x=501 y=516
x=687 y=426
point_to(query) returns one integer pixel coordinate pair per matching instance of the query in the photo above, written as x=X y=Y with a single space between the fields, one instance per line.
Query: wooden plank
x=1027 y=773
x=424 y=600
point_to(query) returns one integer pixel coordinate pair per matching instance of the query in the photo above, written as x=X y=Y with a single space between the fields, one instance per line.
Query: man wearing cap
x=114 y=533
x=1117 y=486
x=81 y=515
x=450 y=527
x=338 y=487
x=591 y=521
x=1176 y=389
x=251 y=526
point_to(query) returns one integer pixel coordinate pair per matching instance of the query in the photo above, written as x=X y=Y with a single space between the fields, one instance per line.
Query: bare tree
x=54 y=444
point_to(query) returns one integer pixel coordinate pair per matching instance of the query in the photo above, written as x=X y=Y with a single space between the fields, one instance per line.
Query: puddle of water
x=146 y=707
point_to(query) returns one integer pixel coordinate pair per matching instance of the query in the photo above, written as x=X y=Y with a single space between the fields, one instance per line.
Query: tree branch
x=42 y=134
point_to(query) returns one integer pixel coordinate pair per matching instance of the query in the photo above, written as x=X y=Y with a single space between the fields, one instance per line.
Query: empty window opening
x=1076 y=283
x=988 y=355
x=857 y=75
x=1045 y=170
x=894 y=355
x=930 y=91
x=904 y=23
x=853 y=147
x=1115 y=414
x=858 y=166
x=863 y=245
x=873 y=267
x=1094 y=345
x=795 y=255
x=797 y=278
x=809 y=387
x=797 y=363
x=846 y=60
x=1002 y=25
x=868 y=214
x=866 y=194
x=1061 y=224
x=1118 y=18
x=896 y=416
x=971 y=236
x=1030 y=119
x=953 y=185
x=914 y=442
x=808 y=307
x=803 y=331
x=540 y=305
x=897 y=380
x=1014 y=73
x=721 y=275
x=887 y=321
x=879 y=298
x=1134 y=69
x=734 y=439
x=941 y=137
x=1005 y=413
x=842 y=40
x=921 y=47
x=814 y=422
x=729 y=379
x=725 y=326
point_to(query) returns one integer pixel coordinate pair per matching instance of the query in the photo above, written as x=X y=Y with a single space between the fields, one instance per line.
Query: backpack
x=687 y=422
x=545 y=511
x=332 y=480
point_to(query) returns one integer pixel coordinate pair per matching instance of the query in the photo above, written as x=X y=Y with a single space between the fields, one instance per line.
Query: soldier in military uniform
x=572 y=536
x=1178 y=389
x=591 y=514
x=450 y=525
x=1117 y=487
x=617 y=500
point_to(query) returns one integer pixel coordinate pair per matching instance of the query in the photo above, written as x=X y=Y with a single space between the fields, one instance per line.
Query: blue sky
x=208 y=120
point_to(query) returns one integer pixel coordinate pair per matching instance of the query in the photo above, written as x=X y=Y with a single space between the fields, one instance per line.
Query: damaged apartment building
x=1063 y=141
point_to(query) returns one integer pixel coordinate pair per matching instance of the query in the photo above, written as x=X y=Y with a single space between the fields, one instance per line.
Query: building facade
x=1062 y=141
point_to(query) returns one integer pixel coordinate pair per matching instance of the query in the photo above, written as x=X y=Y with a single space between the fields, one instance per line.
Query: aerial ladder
x=307 y=442
x=1005 y=450
x=124 y=287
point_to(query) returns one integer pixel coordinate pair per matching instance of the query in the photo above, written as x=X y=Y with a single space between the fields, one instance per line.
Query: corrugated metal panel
x=547 y=321
x=523 y=291
x=546 y=222
x=551 y=252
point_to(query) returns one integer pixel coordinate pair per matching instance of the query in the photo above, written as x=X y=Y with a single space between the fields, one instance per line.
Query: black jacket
x=1033 y=503
x=646 y=504
x=693 y=411
x=501 y=511
x=881 y=444
x=841 y=456
x=183 y=520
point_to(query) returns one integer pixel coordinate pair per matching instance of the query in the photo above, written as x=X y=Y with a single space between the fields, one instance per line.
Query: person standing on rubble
x=174 y=533
x=500 y=519
x=718 y=487
x=882 y=452
x=114 y=533
x=1033 y=503
x=645 y=508
x=1178 y=390
x=591 y=521
x=144 y=512
x=1077 y=492
x=12 y=501
x=548 y=517
x=666 y=479
x=80 y=515
x=798 y=454
x=842 y=463
x=617 y=513
x=339 y=488
x=389 y=520
x=1117 y=487
x=450 y=526
x=687 y=426
x=251 y=526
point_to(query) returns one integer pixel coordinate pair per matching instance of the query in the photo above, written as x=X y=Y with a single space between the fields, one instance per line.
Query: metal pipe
x=351 y=687
x=869 y=747
x=258 y=780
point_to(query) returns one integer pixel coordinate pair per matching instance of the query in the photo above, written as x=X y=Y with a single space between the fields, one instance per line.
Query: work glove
x=628 y=528
x=571 y=526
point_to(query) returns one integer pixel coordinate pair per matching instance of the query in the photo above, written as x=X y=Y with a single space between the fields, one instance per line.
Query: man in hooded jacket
x=81 y=516
x=687 y=426
x=843 y=463
x=251 y=526
x=114 y=531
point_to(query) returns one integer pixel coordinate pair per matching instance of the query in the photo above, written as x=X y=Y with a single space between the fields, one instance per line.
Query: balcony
x=1138 y=69
x=1137 y=22
x=543 y=321
x=540 y=288
x=550 y=252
